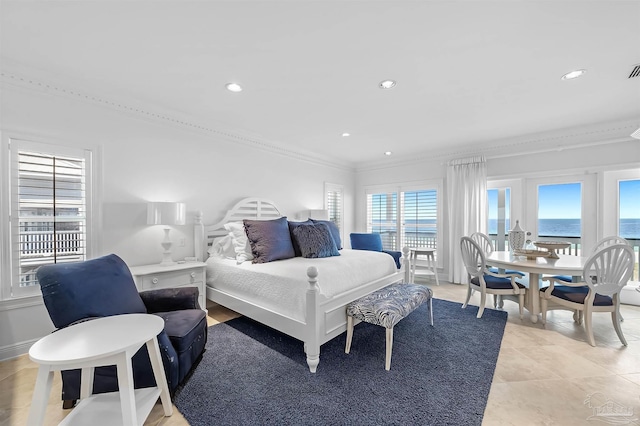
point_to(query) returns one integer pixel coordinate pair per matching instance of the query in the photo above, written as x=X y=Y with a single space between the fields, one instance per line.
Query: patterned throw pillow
x=315 y=241
x=335 y=232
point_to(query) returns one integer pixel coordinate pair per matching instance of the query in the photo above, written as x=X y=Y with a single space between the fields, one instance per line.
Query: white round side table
x=103 y=341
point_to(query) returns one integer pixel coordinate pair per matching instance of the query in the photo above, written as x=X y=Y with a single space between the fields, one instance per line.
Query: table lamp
x=166 y=214
x=319 y=214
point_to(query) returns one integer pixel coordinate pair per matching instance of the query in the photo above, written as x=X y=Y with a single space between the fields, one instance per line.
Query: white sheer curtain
x=467 y=208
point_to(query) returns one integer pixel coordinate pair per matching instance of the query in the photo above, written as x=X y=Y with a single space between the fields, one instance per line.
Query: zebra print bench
x=386 y=307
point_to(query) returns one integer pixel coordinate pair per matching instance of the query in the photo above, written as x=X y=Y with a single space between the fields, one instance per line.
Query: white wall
x=150 y=160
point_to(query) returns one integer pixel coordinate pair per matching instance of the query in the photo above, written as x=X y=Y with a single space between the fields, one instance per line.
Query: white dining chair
x=608 y=270
x=486 y=245
x=486 y=282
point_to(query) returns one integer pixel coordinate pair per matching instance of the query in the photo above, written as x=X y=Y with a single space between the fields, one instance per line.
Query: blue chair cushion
x=578 y=294
x=566 y=278
x=507 y=271
x=496 y=283
x=187 y=331
x=94 y=288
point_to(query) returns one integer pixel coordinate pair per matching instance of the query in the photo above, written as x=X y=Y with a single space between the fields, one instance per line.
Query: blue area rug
x=441 y=375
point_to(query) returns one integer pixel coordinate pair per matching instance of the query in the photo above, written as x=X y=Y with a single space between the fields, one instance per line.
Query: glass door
x=563 y=209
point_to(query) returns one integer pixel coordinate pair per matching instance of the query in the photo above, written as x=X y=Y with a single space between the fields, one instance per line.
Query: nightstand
x=151 y=277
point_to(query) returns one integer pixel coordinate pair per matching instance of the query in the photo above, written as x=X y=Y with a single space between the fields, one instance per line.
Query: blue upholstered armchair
x=81 y=291
x=373 y=242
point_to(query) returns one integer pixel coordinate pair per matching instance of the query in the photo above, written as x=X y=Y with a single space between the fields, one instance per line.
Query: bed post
x=312 y=345
x=406 y=264
x=199 y=241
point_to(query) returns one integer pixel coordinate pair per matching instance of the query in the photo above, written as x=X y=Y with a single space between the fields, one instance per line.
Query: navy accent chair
x=486 y=282
x=82 y=291
x=373 y=242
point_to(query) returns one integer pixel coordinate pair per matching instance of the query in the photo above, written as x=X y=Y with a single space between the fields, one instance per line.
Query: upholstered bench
x=386 y=307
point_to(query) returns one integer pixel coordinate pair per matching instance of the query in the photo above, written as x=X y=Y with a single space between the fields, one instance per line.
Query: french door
x=563 y=208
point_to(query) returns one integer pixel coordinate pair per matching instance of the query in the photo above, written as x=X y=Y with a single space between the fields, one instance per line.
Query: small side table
x=104 y=341
x=430 y=266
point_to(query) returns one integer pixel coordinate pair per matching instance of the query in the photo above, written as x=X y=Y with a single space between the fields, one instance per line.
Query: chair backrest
x=472 y=256
x=370 y=241
x=609 y=268
x=483 y=241
x=94 y=288
x=607 y=241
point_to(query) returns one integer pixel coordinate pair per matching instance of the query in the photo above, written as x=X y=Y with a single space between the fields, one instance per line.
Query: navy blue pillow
x=315 y=241
x=269 y=239
x=335 y=232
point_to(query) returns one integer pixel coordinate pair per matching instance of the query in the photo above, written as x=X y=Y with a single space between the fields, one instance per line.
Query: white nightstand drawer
x=172 y=279
x=153 y=277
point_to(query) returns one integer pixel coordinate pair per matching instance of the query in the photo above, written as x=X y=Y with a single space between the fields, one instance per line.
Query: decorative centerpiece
x=531 y=253
x=516 y=237
x=552 y=246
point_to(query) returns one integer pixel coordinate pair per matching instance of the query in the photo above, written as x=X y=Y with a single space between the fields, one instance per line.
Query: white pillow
x=222 y=247
x=240 y=241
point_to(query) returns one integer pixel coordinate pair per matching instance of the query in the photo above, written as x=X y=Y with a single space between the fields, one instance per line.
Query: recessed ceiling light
x=345 y=134
x=573 y=74
x=233 y=87
x=388 y=153
x=387 y=84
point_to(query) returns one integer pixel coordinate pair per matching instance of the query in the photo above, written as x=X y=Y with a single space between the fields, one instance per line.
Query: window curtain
x=467 y=208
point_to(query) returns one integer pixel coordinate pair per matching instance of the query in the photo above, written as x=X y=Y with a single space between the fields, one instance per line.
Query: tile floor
x=543 y=376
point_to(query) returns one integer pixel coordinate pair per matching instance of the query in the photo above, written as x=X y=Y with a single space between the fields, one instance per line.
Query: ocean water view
x=629 y=228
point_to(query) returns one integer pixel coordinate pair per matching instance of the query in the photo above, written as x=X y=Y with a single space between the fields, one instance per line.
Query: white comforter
x=281 y=285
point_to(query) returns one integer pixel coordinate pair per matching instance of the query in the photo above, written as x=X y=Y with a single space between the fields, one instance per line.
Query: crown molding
x=552 y=141
x=151 y=113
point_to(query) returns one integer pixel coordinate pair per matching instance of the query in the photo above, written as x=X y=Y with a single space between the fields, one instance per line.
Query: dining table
x=535 y=267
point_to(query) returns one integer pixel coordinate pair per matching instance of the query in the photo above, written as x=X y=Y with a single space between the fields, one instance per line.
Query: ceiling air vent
x=635 y=72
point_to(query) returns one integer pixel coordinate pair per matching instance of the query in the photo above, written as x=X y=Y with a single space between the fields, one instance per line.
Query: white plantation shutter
x=382 y=217
x=406 y=216
x=420 y=218
x=48 y=212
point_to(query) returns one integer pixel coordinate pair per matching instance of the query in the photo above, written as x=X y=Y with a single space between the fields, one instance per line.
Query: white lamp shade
x=319 y=214
x=166 y=213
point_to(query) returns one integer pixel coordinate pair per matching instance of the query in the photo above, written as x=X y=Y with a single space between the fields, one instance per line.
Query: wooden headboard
x=247 y=208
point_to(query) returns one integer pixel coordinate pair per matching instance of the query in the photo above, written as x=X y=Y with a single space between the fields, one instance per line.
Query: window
x=333 y=203
x=382 y=218
x=629 y=217
x=420 y=218
x=49 y=206
x=407 y=216
x=498 y=216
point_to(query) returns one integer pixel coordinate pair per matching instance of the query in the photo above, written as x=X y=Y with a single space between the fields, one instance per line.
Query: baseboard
x=18 y=349
x=629 y=295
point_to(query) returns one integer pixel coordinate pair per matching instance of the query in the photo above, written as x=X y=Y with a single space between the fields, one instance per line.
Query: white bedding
x=281 y=285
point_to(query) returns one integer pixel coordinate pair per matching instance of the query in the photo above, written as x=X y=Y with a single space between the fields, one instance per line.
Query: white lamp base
x=166 y=245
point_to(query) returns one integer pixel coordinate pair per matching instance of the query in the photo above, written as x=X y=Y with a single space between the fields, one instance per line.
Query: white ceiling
x=469 y=73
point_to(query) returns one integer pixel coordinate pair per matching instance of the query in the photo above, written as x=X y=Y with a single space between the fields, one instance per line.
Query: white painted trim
x=16 y=350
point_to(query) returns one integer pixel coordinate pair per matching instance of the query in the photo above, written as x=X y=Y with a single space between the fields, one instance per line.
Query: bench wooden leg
x=347 y=347
x=387 y=363
x=430 y=306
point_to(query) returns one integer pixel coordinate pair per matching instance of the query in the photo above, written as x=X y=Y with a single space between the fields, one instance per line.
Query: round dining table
x=564 y=265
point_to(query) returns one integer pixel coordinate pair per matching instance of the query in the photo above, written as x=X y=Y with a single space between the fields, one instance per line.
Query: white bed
x=303 y=298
